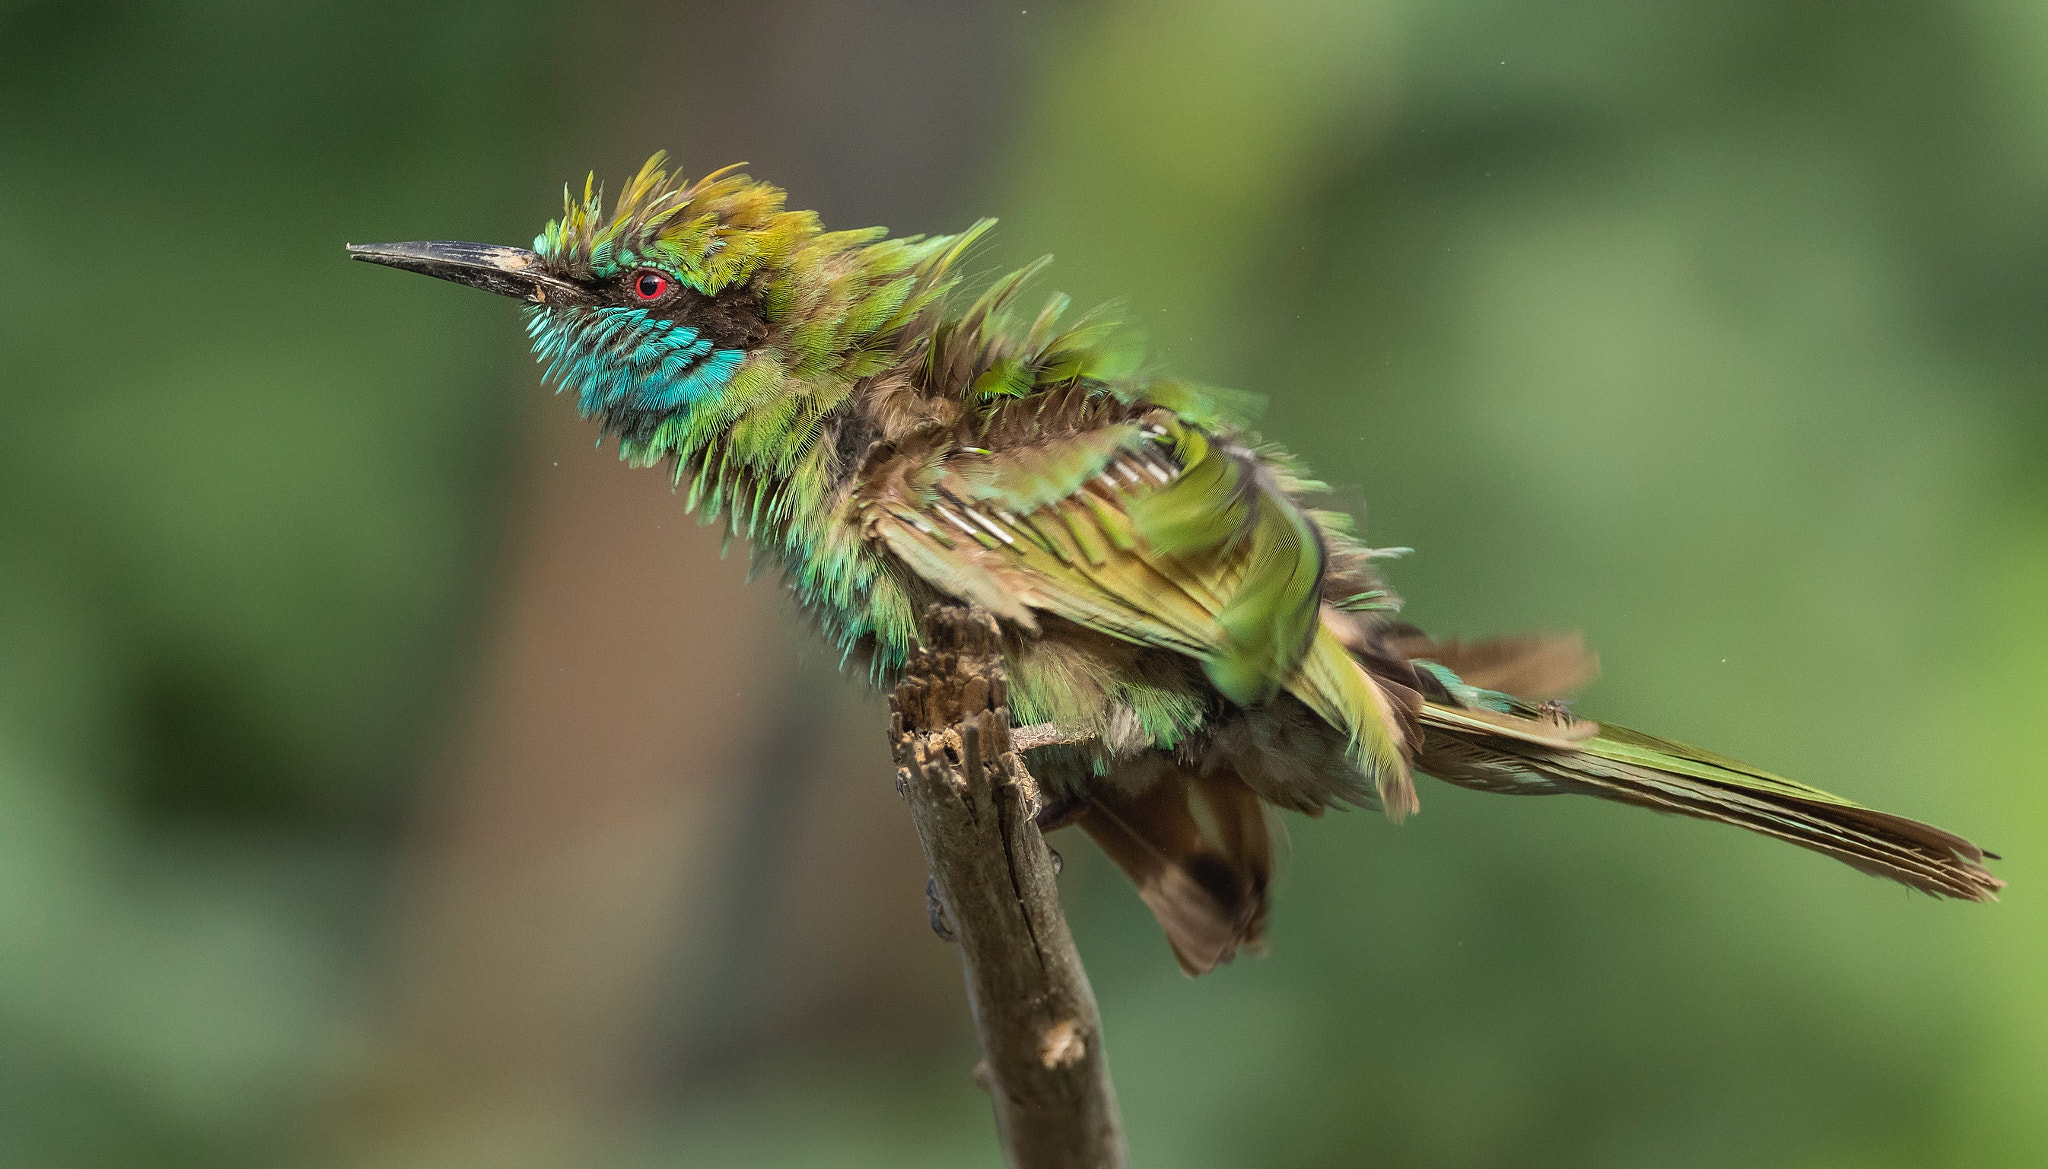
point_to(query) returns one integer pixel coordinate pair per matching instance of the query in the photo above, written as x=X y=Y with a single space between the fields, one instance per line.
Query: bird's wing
x=1151 y=530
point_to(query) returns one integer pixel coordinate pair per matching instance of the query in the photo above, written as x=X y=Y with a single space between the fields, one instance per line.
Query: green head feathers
x=709 y=235
x=708 y=301
x=694 y=310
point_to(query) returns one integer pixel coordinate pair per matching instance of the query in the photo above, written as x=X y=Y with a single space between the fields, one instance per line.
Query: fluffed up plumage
x=1206 y=641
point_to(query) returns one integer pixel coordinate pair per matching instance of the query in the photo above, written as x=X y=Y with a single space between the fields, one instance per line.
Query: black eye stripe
x=732 y=319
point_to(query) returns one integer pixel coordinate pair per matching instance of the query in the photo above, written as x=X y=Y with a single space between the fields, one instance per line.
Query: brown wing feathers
x=1207 y=888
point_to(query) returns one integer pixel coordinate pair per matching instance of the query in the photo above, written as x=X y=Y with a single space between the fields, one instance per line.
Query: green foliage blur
x=1715 y=329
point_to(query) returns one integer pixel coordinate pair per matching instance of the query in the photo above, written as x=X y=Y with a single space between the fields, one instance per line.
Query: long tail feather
x=1498 y=754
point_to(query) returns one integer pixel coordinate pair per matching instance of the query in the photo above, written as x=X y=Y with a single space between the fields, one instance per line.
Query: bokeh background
x=389 y=779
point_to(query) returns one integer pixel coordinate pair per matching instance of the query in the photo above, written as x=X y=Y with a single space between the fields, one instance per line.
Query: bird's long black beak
x=513 y=272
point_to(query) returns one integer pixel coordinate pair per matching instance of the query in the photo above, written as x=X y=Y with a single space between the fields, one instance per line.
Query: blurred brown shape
x=577 y=821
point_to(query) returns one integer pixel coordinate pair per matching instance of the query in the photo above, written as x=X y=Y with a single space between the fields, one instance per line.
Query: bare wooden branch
x=1044 y=735
x=974 y=805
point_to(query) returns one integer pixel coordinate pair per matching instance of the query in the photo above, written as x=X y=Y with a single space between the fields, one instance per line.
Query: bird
x=1193 y=637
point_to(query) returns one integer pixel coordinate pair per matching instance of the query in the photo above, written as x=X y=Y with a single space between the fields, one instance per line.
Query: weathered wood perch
x=974 y=806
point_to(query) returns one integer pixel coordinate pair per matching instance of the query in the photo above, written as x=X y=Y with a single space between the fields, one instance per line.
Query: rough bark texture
x=974 y=803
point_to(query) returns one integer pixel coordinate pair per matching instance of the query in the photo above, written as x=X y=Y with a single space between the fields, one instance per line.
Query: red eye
x=650 y=286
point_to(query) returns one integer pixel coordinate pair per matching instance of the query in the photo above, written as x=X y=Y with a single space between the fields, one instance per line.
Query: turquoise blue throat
x=621 y=359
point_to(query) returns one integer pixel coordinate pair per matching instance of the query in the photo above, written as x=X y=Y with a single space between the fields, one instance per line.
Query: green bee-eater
x=1187 y=630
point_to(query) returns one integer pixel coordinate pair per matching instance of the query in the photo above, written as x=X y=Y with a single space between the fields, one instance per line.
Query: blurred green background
x=389 y=779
